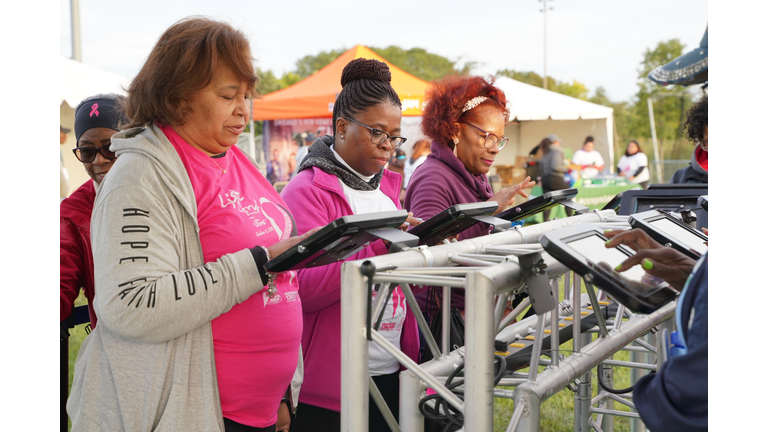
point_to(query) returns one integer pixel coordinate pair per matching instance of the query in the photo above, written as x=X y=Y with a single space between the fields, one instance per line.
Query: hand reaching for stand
x=506 y=197
x=282 y=246
x=657 y=260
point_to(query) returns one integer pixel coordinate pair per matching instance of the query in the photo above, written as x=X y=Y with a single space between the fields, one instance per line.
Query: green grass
x=76 y=337
x=556 y=412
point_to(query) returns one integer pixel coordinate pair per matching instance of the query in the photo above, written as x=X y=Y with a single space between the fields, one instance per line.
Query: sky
x=595 y=42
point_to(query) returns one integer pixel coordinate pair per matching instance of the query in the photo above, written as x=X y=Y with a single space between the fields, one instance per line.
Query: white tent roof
x=527 y=102
x=77 y=81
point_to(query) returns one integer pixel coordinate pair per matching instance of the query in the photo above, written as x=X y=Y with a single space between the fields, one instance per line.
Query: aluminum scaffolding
x=489 y=270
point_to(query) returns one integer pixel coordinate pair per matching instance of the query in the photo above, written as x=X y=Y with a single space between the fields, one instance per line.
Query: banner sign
x=282 y=140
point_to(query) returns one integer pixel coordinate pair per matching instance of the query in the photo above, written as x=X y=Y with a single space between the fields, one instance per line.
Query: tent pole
x=75 y=14
x=655 y=143
x=610 y=135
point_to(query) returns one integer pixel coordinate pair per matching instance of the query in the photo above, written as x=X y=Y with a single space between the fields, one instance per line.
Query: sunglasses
x=88 y=154
x=491 y=139
x=379 y=137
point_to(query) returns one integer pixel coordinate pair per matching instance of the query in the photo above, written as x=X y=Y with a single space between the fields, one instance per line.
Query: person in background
x=675 y=398
x=537 y=151
x=189 y=335
x=344 y=175
x=553 y=169
x=292 y=161
x=274 y=173
x=588 y=160
x=63 y=174
x=465 y=117
x=306 y=142
x=697 y=131
x=397 y=162
x=420 y=152
x=634 y=165
x=97 y=118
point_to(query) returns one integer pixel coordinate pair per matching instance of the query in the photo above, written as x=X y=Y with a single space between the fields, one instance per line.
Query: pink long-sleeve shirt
x=316 y=198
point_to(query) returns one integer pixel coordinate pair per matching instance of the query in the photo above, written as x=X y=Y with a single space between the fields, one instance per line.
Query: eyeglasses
x=88 y=154
x=491 y=139
x=379 y=137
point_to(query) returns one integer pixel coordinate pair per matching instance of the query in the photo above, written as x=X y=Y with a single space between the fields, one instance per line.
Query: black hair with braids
x=696 y=121
x=365 y=83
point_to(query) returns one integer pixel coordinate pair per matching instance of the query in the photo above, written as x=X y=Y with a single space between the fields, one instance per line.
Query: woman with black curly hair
x=697 y=132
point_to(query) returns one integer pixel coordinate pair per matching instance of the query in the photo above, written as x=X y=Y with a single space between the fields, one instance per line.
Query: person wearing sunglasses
x=465 y=117
x=97 y=118
x=344 y=175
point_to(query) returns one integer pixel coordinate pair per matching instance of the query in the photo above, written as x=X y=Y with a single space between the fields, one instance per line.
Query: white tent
x=542 y=112
x=77 y=81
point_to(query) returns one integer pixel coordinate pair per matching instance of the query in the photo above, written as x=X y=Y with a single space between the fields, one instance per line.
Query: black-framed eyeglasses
x=491 y=139
x=88 y=154
x=379 y=137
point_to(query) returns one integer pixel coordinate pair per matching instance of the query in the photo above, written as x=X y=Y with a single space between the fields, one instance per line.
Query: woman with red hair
x=465 y=117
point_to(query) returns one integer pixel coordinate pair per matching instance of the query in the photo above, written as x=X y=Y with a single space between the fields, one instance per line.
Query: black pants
x=551 y=183
x=233 y=426
x=310 y=418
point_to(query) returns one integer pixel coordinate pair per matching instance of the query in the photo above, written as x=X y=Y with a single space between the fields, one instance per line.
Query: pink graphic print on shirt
x=233 y=198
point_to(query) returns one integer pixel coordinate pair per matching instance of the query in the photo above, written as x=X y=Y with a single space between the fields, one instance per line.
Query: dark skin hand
x=412 y=221
x=283 y=418
x=657 y=260
x=282 y=246
x=506 y=197
x=639 y=287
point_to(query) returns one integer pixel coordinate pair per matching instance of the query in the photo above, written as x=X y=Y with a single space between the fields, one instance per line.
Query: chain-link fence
x=666 y=168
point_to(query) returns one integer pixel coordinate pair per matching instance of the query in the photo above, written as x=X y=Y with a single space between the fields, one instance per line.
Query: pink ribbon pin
x=94 y=109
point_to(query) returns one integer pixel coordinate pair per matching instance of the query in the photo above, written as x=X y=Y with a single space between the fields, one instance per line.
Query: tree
x=310 y=64
x=268 y=82
x=574 y=89
x=416 y=61
x=531 y=78
x=620 y=112
x=669 y=102
x=419 y=62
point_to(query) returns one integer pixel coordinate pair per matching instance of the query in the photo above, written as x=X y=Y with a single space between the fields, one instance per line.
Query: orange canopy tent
x=313 y=97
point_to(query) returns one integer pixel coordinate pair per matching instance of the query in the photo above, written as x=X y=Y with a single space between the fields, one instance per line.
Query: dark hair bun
x=365 y=69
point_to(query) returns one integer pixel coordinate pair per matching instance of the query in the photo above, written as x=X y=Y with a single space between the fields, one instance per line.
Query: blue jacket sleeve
x=675 y=398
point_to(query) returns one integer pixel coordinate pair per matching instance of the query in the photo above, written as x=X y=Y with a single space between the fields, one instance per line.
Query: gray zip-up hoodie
x=149 y=364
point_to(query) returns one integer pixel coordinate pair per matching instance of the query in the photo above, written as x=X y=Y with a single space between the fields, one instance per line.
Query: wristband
x=272 y=290
x=266 y=251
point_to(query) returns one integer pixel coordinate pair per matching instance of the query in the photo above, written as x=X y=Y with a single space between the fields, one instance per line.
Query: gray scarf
x=321 y=156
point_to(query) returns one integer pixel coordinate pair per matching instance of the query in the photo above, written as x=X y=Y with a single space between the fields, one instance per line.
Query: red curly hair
x=446 y=98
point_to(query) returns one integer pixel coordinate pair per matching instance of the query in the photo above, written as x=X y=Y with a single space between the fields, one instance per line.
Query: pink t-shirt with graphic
x=256 y=343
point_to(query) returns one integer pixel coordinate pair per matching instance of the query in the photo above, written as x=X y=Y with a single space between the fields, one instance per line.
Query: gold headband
x=475 y=101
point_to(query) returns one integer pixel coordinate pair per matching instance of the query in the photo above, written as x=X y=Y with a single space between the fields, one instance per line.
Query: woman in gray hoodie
x=189 y=336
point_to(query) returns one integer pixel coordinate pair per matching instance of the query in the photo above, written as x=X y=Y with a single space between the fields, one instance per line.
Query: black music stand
x=676 y=198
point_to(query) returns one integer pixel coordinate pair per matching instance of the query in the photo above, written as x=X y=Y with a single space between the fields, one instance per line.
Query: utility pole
x=75 y=14
x=545 y=39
